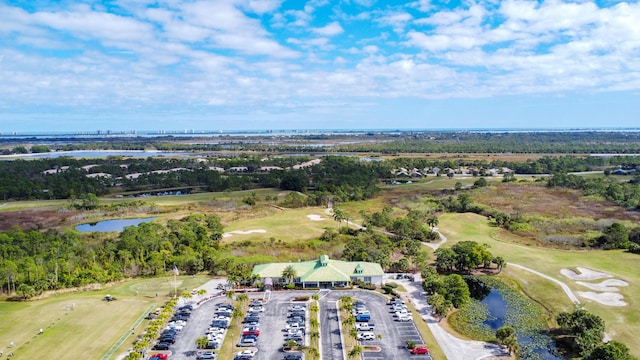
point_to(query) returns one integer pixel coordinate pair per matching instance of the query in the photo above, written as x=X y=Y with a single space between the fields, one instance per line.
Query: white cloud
x=397 y=20
x=264 y=6
x=331 y=29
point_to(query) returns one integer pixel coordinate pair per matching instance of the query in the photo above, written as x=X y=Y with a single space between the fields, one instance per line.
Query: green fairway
x=622 y=322
x=79 y=325
x=287 y=225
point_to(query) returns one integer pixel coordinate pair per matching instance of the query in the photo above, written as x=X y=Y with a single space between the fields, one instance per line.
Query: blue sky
x=293 y=64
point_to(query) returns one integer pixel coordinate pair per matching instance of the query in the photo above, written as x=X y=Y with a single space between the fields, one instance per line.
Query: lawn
x=79 y=325
x=622 y=322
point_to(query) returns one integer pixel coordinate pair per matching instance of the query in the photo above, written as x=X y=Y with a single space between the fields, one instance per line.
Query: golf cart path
x=435 y=246
x=564 y=286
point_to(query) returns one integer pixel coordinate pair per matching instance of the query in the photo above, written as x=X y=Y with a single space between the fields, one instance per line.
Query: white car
x=405 y=317
x=402 y=312
x=297 y=308
x=248 y=352
x=175 y=327
x=293 y=326
x=367 y=335
x=363 y=327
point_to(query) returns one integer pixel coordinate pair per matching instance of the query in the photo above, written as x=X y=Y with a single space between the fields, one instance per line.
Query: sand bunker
x=315 y=217
x=239 y=232
x=607 y=285
x=585 y=274
x=605 y=298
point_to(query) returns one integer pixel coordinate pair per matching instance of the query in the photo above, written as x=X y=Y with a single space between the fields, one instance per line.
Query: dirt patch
x=35 y=219
x=315 y=217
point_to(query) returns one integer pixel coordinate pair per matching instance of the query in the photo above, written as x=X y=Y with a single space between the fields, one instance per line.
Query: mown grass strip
x=126 y=335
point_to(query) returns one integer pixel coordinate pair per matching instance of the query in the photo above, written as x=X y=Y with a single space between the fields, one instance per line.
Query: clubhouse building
x=323 y=273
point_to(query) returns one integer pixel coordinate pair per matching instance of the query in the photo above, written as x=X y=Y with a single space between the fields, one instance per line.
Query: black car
x=212 y=345
x=162 y=346
x=250 y=319
x=292 y=357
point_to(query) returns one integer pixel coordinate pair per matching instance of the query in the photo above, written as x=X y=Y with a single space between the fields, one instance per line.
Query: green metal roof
x=323 y=269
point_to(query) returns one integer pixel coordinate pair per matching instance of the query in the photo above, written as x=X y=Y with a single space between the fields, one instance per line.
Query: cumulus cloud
x=261 y=54
x=331 y=29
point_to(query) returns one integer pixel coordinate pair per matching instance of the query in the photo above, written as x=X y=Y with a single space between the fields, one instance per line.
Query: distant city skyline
x=90 y=65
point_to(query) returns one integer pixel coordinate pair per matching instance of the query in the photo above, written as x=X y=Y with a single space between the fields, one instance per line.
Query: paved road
x=331 y=341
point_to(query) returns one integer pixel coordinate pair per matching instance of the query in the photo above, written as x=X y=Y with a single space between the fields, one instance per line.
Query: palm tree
x=432 y=222
x=314 y=323
x=338 y=215
x=289 y=273
x=349 y=321
x=355 y=352
x=499 y=261
x=315 y=297
x=230 y=294
x=314 y=335
x=313 y=353
x=353 y=332
x=314 y=307
x=242 y=298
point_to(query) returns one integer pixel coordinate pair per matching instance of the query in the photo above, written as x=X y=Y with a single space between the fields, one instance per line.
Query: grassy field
x=79 y=325
x=622 y=322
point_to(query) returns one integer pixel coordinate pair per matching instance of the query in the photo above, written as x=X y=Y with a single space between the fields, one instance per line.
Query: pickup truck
x=364 y=327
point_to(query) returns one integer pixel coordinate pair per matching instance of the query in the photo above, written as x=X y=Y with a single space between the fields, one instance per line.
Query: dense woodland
x=346 y=178
x=389 y=142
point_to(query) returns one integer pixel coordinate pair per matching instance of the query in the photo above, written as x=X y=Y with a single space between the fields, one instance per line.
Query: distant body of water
x=112 y=225
x=99 y=154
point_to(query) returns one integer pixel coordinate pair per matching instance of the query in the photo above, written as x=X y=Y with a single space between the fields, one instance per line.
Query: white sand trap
x=584 y=274
x=240 y=232
x=605 y=298
x=315 y=217
x=607 y=285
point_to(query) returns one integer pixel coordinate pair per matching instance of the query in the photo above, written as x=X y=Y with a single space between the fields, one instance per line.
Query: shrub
x=410 y=344
x=391 y=284
x=301 y=298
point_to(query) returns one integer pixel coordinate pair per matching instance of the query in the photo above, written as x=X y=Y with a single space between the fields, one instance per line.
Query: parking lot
x=274 y=318
x=394 y=333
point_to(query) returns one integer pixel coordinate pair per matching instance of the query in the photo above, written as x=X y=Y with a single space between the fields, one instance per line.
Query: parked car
x=246 y=342
x=367 y=335
x=212 y=344
x=249 y=352
x=207 y=355
x=162 y=346
x=292 y=357
x=255 y=332
x=404 y=317
x=420 y=350
x=364 y=327
x=363 y=317
x=159 y=357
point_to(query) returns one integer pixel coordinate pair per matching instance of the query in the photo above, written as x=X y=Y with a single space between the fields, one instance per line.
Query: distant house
x=322 y=273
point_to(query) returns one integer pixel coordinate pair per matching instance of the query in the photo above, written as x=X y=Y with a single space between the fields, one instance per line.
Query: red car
x=420 y=350
x=251 y=332
x=159 y=357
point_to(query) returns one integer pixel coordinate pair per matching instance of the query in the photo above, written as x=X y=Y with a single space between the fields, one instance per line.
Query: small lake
x=534 y=345
x=112 y=225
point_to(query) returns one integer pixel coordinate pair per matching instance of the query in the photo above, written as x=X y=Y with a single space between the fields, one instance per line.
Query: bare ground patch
x=35 y=218
x=550 y=202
